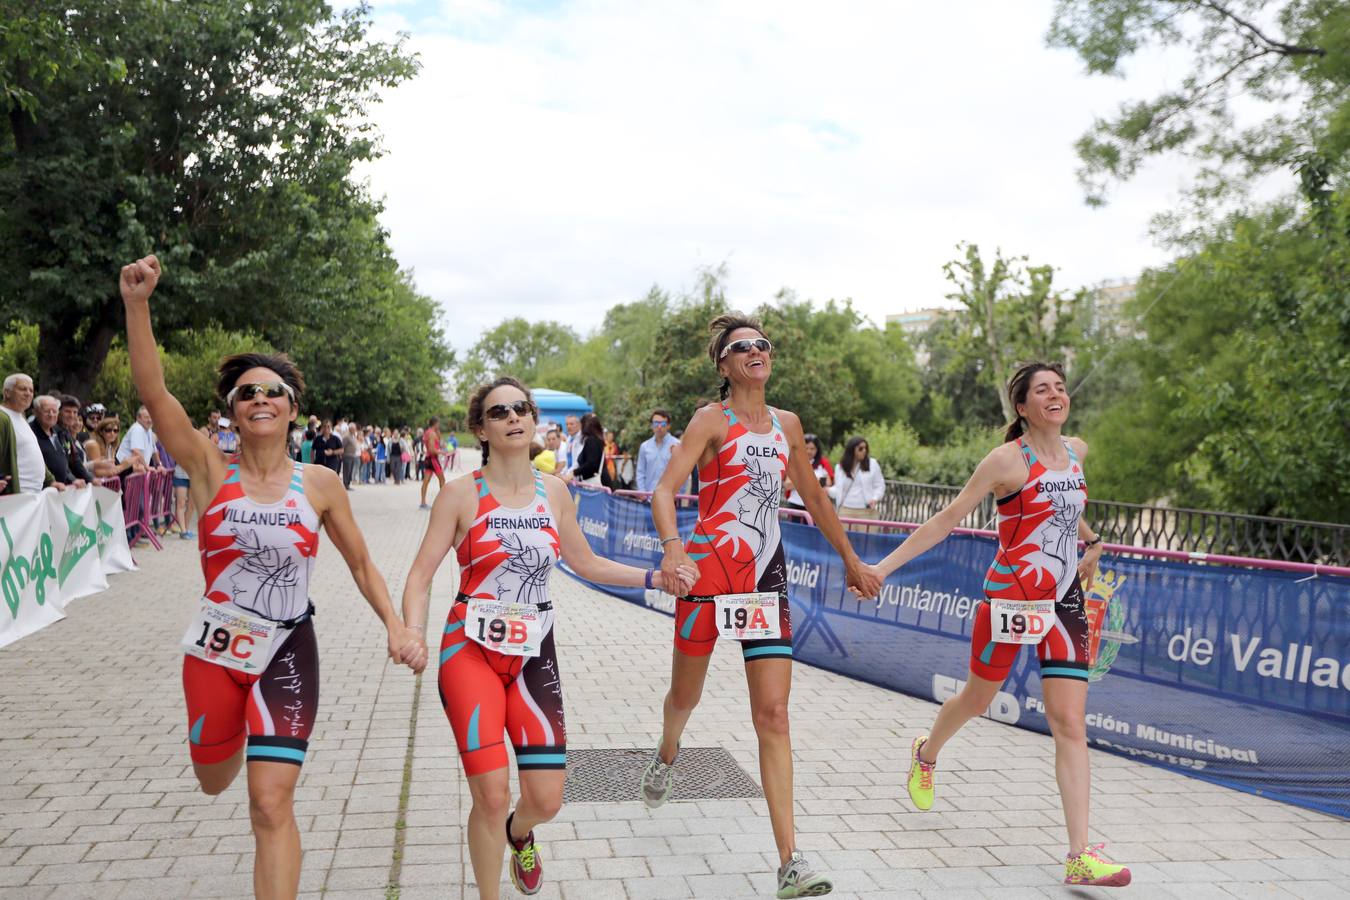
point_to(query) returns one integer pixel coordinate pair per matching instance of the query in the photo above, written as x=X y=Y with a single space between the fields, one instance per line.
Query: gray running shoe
x=658 y=779
x=796 y=878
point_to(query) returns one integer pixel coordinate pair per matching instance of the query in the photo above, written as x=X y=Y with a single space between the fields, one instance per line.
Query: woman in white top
x=859 y=484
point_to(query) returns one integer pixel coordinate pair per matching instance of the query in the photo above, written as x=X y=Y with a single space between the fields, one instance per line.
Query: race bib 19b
x=512 y=629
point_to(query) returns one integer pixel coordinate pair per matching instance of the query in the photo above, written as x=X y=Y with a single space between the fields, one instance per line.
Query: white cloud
x=552 y=161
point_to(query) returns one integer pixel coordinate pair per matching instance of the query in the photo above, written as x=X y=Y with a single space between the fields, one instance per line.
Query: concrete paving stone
x=196 y=867
x=136 y=868
x=222 y=886
x=45 y=854
x=153 y=889
x=69 y=873
x=721 y=886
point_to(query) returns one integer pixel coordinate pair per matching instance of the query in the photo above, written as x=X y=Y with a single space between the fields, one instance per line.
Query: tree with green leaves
x=1281 y=69
x=516 y=347
x=221 y=136
x=1244 y=395
x=1011 y=312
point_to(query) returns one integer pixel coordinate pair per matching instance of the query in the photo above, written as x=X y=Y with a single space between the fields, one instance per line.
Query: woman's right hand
x=675 y=559
x=139 y=279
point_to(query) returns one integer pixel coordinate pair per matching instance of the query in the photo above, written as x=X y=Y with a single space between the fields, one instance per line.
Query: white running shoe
x=796 y=878
x=658 y=779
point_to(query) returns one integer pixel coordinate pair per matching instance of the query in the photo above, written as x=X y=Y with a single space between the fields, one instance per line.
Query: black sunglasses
x=499 y=411
x=745 y=344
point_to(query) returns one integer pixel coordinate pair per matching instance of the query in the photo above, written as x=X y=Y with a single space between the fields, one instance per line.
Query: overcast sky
x=555 y=158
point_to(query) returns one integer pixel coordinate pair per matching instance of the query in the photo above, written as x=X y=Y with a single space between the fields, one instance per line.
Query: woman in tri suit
x=1037 y=477
x=431 y=461
x=744 y=450
x=499 y=677
x=251 y=675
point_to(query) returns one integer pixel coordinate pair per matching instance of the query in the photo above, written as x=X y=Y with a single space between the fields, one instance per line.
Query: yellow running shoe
x=1091 y=867
x=920 y=776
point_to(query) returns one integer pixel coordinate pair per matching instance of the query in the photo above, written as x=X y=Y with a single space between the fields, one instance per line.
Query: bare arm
x=138 y=282
x=822 y=510
x=706 y=430
x=579 y=555
x=993 y=470
x=1087 y=566
x=336 y=513
x=443 y=533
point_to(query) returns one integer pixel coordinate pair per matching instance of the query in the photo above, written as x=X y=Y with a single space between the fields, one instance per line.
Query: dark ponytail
x=1018 y=386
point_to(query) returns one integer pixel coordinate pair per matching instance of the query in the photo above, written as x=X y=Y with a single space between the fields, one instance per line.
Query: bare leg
x=1066 y=709
x=687 y=674
x=972 y=701
x=770 y=682
x=491 y=793
x=271 y=806
x=214 y=778
x=541 y=793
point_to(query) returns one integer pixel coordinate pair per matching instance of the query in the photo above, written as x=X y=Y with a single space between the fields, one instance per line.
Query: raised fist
x=139 y=279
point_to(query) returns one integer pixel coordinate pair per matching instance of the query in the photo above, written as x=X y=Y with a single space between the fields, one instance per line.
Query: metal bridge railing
x=1159 y=527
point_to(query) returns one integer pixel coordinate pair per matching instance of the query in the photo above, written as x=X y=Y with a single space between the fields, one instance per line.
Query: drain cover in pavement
x=614 y=776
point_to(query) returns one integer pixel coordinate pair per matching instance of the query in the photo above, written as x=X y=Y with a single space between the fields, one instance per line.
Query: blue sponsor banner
x=1236 y=676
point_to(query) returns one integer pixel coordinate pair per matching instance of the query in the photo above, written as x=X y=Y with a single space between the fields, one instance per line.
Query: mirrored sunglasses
x=247 y=392
x=744 y=345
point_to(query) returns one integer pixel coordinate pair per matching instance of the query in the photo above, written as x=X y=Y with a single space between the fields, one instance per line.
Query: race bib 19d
x=512 y=629
x=1021 y=621
x=748 y=617
x=230 y=638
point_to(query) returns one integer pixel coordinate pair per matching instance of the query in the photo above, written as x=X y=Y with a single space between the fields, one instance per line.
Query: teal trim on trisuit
x=1002 y=569
x=697 y=538
x=471 y=742
x=697 y=556
x=990 y=586
x=988 y=653
x=752 y=652
x=452 y=627
x=1061 y=672
x=451 y=651
x=688 y=627
x=523 y=758
x=195 y=734
x=261 y=750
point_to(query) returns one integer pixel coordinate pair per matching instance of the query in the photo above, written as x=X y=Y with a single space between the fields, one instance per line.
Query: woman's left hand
x=408 y=647
x=1087 y=566
x=688 y=575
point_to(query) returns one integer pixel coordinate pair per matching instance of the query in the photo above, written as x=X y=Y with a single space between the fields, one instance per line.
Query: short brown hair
x=232 y=367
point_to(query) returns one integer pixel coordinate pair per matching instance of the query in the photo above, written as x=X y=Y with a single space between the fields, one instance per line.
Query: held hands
x=677 y=571
x=139 y=279
x=863 y=581
x=686 y=575
x=408 y=647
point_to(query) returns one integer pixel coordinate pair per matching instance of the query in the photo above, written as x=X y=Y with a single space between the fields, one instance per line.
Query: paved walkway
x=97 y=797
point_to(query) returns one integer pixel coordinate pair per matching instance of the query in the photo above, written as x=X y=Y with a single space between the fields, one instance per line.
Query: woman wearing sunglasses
x=499 y=677
x=250 y=666
x=744 y=449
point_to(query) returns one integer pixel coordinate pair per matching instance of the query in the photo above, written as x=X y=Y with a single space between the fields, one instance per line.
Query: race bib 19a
x=748 y=617
x=513 y=629
x=230 y=638
x=1021 y=621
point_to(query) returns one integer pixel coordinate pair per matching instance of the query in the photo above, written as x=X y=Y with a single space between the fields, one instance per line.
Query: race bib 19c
x=230 y=638
x=1021 y=621
x=513 y=629
x=748 y=617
